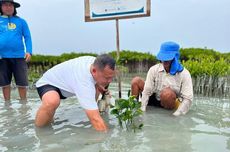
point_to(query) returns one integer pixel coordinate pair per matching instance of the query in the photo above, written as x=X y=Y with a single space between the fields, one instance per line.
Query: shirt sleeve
x=27 y=37
x=186 y=94
x=148 y=88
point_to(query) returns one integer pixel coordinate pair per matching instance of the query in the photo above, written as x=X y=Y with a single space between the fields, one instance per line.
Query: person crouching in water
x=84 y=77
x=168 y=84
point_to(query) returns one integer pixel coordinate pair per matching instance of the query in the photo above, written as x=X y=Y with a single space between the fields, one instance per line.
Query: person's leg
x=22 y=93
x=137 y=86
x=20 y=71
x=6 y=93
x=5 y=78
x=45 y=113
x=168 y=98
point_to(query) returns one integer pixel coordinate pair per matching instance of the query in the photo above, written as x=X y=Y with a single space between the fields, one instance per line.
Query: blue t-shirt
x=14 y=33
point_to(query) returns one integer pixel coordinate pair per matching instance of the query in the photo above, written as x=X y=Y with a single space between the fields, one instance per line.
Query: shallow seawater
x=205 y=128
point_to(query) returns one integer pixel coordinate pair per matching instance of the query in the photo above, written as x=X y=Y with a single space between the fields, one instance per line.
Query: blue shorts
x=16 y=67
x=43 y=89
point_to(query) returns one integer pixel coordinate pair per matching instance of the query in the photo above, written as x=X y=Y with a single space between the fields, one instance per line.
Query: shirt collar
x=161 y=68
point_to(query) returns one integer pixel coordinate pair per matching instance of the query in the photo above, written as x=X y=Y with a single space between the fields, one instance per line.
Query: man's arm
x=27 y=37
x=148 y=88
x=96 y=120
x=186 y=95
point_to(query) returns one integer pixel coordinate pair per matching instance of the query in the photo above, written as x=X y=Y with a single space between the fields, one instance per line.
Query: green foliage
x=226 y=56
x=133 y=56
x=194 y=53
x=208 y=66
x=125 y=111
x=57 y=59
x=199 y=61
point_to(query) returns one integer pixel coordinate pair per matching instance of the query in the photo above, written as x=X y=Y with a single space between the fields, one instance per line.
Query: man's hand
x=143 y=107
x=27 y=57
x=96 y=120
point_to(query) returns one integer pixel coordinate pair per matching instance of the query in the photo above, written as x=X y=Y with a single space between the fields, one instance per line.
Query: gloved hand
x=104 y=102
x=182 y=109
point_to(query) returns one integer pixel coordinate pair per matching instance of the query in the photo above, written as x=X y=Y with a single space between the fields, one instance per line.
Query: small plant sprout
x=126 y=110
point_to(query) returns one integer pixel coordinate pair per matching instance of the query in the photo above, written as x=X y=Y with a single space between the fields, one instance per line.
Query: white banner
x=105 y=9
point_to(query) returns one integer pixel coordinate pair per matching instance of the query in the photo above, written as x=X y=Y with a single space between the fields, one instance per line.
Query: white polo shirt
x=73 y=77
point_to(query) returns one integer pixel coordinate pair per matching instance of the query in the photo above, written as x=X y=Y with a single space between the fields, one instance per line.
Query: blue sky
x=58 y=26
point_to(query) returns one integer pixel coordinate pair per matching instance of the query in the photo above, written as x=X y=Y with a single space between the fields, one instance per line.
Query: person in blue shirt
x=15 y=50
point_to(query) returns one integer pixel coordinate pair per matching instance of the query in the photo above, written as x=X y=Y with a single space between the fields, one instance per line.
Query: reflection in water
x=161 y=132
x=205 y=128
x=168 y=133
x=213 y=125
x=16 y=127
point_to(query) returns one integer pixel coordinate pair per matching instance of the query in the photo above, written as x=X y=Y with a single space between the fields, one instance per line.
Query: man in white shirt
x=168 y=84
x=85 y=77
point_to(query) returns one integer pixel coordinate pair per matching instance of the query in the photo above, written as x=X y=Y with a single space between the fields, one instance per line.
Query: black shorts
x=154 y=102
x=16 y=67
x=43 y=89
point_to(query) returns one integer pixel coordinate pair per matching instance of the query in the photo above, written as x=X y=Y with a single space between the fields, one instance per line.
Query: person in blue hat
x=15 y=49
x=168 y=84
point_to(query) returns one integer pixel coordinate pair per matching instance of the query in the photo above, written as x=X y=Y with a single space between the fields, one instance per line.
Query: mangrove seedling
x=126 y=110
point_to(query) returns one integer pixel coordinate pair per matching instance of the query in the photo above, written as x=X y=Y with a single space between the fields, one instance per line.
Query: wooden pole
x=118 y=56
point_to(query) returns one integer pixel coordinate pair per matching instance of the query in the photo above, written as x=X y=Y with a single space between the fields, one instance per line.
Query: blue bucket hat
x=170 y=51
